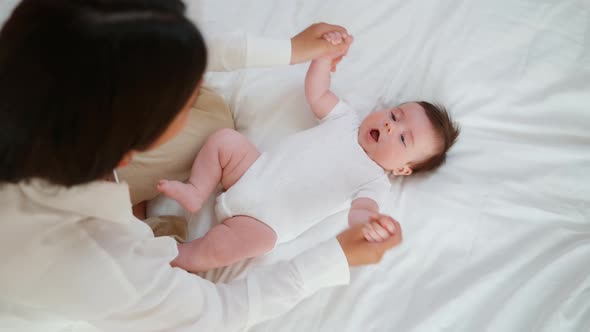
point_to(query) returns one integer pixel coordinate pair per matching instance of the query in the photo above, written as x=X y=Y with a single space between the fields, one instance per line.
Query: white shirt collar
x=99 y=199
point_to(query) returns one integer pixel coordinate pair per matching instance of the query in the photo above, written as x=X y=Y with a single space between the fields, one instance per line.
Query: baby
x=274 y=196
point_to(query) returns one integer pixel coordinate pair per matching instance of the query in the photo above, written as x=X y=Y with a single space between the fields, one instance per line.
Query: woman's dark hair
x=82 y=82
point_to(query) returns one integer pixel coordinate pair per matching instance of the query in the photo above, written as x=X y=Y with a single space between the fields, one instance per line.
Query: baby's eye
x=393 y=117
x=403 y=139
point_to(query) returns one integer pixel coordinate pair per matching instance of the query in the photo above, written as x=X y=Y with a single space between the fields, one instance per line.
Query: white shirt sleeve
x=152 y=296
x=234 y=51
x=375 y=190
x=340 y=109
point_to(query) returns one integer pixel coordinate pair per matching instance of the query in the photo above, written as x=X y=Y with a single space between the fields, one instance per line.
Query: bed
x=498 y=239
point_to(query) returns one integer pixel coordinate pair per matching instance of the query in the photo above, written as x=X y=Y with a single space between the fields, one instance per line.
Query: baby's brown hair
x=447 y=131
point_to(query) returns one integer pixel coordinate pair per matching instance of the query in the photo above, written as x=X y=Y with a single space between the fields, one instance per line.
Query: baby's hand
x=334 y=37
x=310 y=43
x=337 y=38
x=380 y=228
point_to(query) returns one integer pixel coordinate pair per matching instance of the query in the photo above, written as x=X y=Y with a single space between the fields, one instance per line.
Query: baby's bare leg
x=225 y=157
x=237 y=238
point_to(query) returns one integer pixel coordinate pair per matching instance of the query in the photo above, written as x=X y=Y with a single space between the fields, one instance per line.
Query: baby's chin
x=384 y=167
x=370 y=155
x=366 y=147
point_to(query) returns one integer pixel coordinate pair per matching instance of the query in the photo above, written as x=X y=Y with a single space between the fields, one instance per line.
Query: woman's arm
x=172 y=299
x=152 y=296
x=117 y=276
x=238 y=50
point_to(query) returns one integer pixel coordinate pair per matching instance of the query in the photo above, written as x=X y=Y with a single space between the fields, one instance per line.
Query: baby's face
x=398 y=137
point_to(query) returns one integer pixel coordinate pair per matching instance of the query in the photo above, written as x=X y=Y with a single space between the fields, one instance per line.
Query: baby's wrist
x=324 y=60
x=358 y=215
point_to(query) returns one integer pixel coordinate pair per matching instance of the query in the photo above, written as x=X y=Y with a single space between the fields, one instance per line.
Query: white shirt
x=78 y=255
x=237 y=50
x=307 y=177
x=77 y=260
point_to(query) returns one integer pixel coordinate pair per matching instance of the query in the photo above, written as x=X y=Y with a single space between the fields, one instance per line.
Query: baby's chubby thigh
x=233 y=209
x=252 y=237
x=236 y=155
x=235 y=239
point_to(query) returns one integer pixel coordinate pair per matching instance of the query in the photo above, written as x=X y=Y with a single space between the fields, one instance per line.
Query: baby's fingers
x=324 y=28
x=375 y=233
x=381 y=231
x=335 y=63
x=334 y=37
x=387 y=222
x=369 y=233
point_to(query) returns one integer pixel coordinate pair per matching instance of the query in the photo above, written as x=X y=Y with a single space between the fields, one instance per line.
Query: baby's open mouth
x=374 y=134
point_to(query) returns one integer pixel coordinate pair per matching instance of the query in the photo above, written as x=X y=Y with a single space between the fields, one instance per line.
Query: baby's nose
x=388 y=127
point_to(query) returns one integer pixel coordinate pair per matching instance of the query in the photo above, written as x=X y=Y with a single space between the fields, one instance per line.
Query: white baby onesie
x=307 y=177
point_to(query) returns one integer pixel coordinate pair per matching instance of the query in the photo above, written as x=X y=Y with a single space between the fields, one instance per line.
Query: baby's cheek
x=395 y=158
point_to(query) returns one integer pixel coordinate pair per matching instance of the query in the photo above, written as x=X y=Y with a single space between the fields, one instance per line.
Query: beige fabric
x=173 y=160
x=174 y=226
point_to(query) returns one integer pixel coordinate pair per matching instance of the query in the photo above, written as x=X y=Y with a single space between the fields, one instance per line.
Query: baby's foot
x=184 y=193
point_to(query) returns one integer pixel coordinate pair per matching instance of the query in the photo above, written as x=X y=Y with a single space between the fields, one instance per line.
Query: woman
x=83 y=86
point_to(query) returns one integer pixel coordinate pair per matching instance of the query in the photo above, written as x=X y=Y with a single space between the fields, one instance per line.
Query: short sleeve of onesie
x=375 y=190
x=340 y=109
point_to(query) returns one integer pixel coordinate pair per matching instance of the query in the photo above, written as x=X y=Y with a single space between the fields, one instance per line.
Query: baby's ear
x=406 y=170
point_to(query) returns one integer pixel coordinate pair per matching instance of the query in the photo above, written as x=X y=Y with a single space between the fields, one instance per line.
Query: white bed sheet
x=499 y=238
x=496 y=240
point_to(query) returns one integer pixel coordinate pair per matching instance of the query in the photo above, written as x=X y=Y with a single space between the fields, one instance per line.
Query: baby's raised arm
x=317 y=87
x=317 y=81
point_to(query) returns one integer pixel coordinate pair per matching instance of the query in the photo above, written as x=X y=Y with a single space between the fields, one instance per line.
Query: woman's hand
x=359 y=251
x=311 y=42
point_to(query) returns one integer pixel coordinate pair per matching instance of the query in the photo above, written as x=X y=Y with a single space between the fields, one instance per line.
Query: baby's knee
x=226 y=136
x=267 y=238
